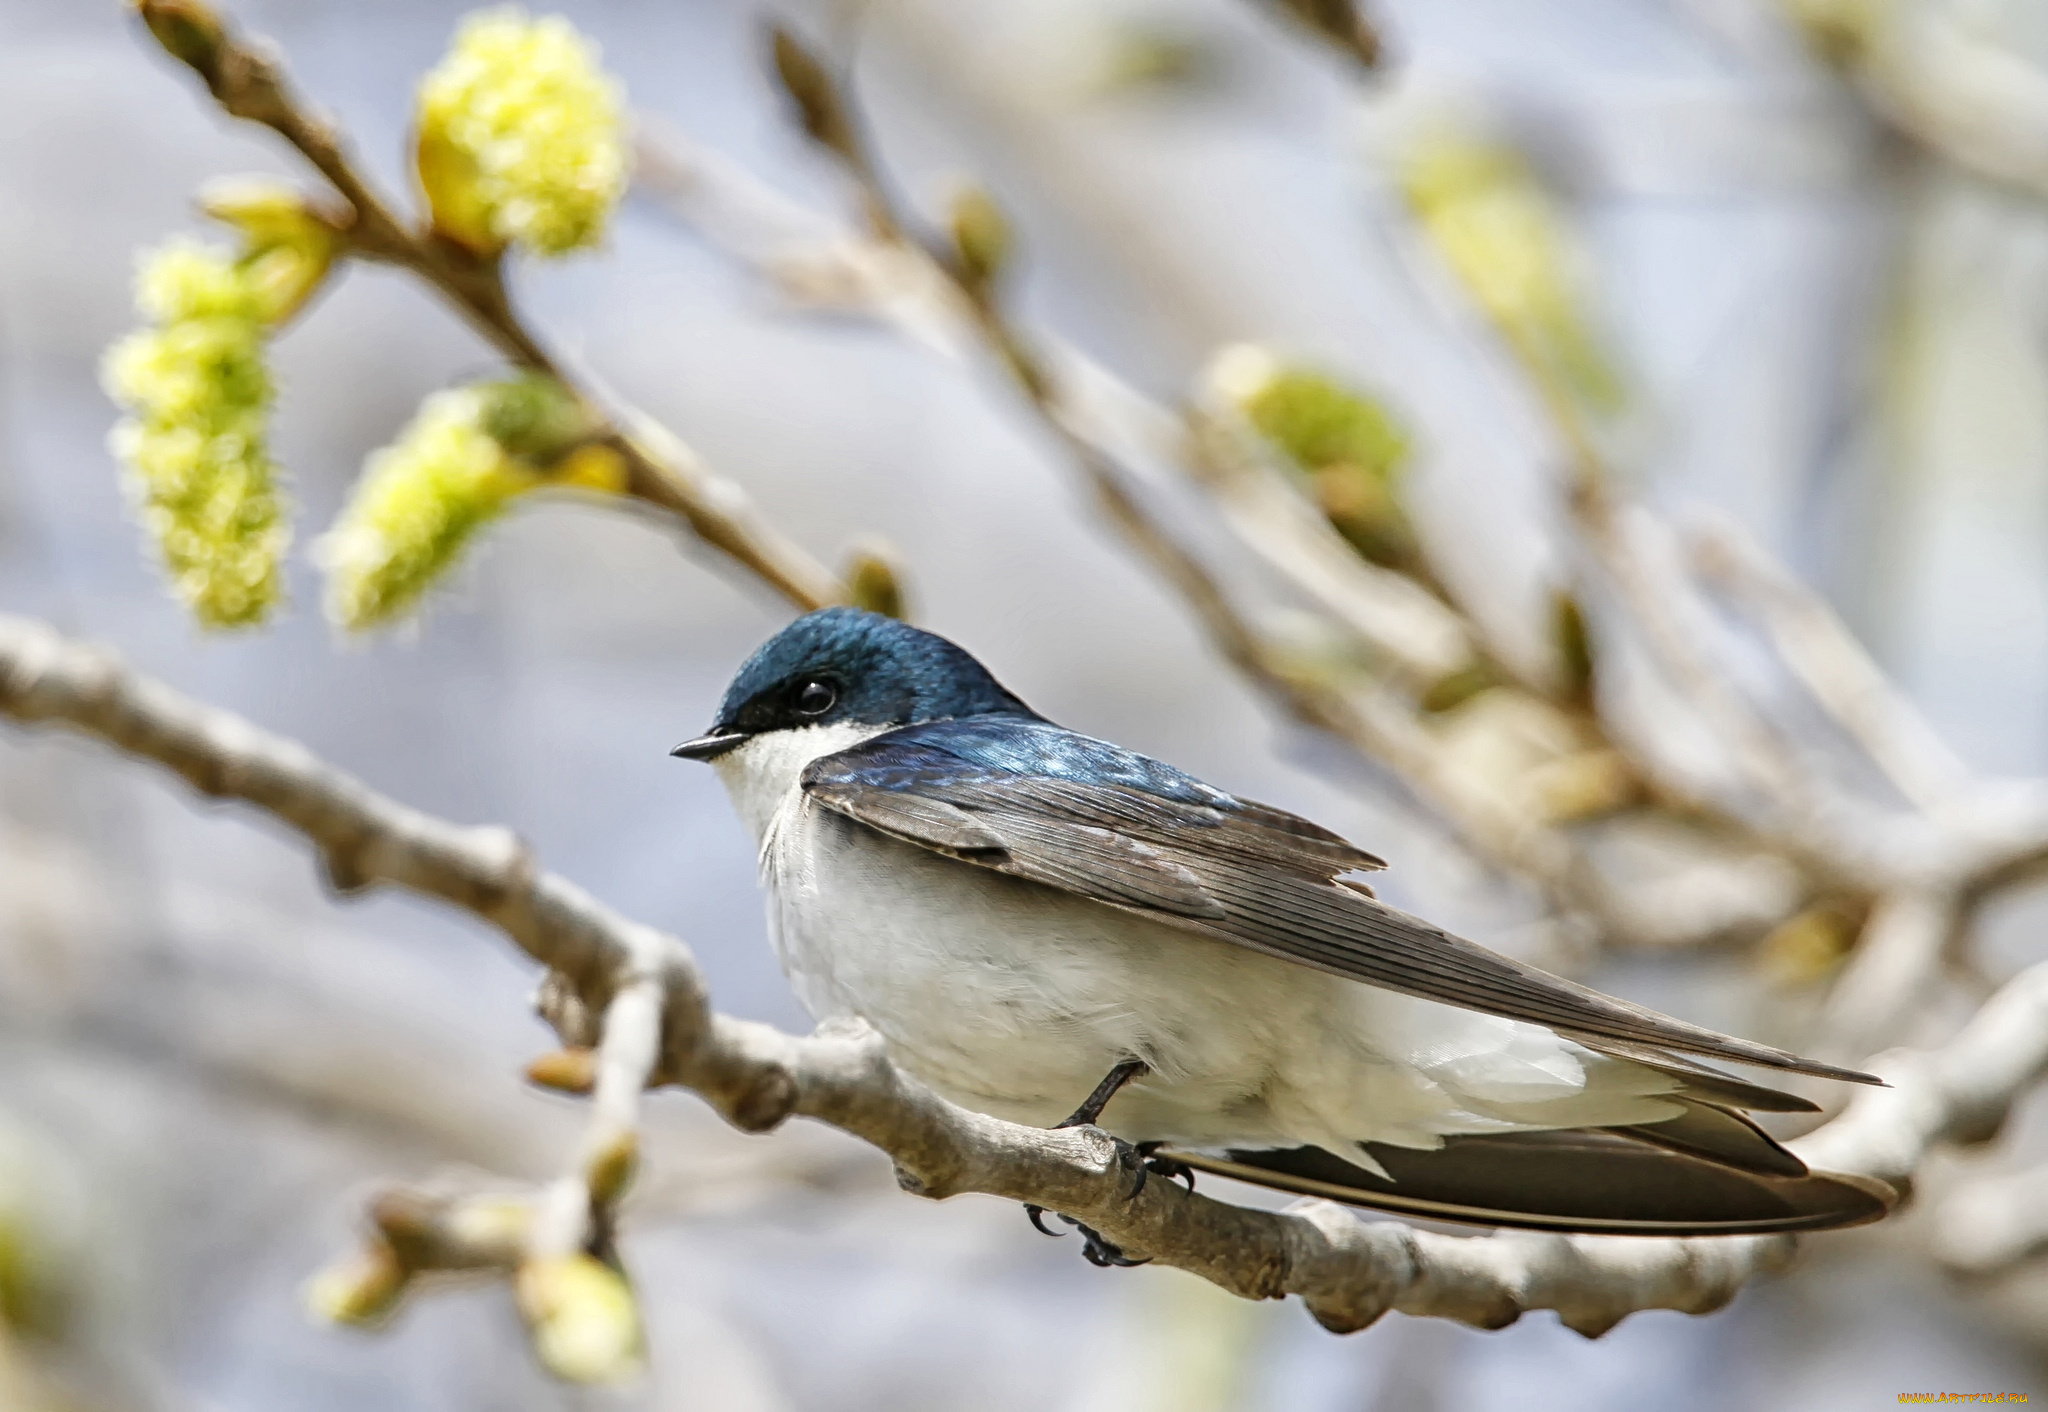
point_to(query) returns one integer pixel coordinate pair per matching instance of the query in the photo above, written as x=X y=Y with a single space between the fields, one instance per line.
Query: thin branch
x=1897 y=959
x=603 y=964
x=1959 y=1094
x=1991 y=1225
x=1819 y=648
x=895 y=279
x=1928 y=76
x=248 y=80
x=1664 y=606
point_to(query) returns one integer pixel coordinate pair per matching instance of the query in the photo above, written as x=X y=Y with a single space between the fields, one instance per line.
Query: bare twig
x=894 y=278
x=1663 y=605
x=1818 y=646
x=1986 y=1226
x=1895 y=962
x=1926 y=74
x=248 y=81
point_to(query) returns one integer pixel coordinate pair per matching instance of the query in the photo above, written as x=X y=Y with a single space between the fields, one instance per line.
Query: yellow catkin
x=195 y=441
x=418 y=504
x=522 y=135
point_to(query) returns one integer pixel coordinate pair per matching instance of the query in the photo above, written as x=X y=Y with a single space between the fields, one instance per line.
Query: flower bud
x=188 y=30
x=361 y=1291
x=1345 y=443
x=288 y=247
x=811 y=87
x=534 y=418
x=874 y=579
x=981 y=237
x=583 y=1318
x=1810 y=945
x=1574 y=643
x=610 y=1172
x=565 y=1070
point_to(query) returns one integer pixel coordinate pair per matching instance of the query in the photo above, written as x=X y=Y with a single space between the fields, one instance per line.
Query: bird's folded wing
x=1230 y=869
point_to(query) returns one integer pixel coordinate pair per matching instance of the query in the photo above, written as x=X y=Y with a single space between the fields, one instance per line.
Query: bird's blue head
x=843 y=665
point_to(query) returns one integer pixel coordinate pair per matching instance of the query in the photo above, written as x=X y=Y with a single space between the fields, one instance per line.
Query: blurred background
x=1824 y=329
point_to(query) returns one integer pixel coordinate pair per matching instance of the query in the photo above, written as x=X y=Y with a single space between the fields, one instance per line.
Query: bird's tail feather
x=1709 y=1172
x=1719 y=1135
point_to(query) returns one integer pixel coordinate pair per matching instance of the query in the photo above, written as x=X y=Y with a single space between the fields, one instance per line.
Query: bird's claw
x=1140 y=1160
x=1099 y=1251
x=1172 y=1168
x=1103 y=1253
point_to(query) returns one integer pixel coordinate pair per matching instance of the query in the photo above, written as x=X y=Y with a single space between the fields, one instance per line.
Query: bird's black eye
x=815 y=698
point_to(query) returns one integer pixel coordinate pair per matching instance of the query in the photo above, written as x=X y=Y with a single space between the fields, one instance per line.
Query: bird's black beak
x=710 y=747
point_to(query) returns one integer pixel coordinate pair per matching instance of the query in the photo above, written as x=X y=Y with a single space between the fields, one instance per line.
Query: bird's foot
x=1140 y=1161
x=1099 y=1251
x=1172 y=1168
x=1102 y=1252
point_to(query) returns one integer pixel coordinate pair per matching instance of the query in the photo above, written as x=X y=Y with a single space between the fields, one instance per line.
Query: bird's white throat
x=760 y=774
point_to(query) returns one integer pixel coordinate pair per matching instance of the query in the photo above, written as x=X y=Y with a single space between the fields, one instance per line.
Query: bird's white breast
x=1016 y=999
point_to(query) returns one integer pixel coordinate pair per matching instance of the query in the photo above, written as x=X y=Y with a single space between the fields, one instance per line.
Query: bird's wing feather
x=1697 y=1080
x=1209 y=863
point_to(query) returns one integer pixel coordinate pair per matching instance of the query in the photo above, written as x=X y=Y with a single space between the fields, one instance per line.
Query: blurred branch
x=1987 y=1226
x=1343 y=24
x=1960 y=1093
x=1924 y=72
x=248 y=81
x=897 y=279
x=1897 y=958
x=637 y=992
x=1630 y=547
x=1819 y=648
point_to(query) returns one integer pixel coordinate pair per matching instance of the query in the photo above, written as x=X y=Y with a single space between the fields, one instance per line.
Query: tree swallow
x=1032 y=919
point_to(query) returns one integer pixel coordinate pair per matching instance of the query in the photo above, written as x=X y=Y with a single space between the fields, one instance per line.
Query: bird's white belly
x=1009 y=997
x=1016 y=999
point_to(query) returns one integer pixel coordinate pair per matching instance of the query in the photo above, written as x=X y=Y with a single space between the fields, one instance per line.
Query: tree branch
x=1926 y=74
x=639 y=993
x=249 y=82
x=1819 y=648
